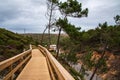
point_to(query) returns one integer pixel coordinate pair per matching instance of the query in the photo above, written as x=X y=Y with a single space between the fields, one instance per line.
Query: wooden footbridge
x=33 y=64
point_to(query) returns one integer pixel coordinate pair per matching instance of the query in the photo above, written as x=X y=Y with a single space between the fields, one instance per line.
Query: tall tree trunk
x=43 y=35
x=49 y=25
x=58 y=41
x=98 y=64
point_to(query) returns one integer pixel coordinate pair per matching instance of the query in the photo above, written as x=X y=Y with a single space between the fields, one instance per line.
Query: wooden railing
x=57 y=71
x=9 y=67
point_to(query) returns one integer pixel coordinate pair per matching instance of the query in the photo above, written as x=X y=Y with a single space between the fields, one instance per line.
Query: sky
x=29 y=15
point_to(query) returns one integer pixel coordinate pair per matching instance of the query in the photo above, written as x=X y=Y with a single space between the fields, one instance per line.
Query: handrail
x=60 y=71
x=22 y=58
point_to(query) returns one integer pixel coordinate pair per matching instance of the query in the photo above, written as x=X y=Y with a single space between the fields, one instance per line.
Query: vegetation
x=51 y=8
x=117 y=19
x=12 y=43
x=104 y=40
x=73 y=72
x=96 y=38
x=38 y=37
x=70 y=8
x=93 y=48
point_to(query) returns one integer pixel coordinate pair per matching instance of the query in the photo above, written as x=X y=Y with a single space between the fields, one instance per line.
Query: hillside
x=38 y=37
x=12 y=43
x=98 y=50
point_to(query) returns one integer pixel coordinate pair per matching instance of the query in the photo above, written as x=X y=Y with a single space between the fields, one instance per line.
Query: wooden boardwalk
x=36 y=68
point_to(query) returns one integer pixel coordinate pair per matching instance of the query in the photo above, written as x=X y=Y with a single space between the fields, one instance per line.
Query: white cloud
x=30 y=14
x=20 y=14
x=99 y=12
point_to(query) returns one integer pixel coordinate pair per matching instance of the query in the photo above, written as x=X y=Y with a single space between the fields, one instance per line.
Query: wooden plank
x=59 y=74
x=10 y=61
x=50 y=70
x=16 y=68
x=36 y=69
x=59 y=69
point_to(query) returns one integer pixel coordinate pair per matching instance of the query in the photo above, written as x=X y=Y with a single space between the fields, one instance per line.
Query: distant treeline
x=38 y=36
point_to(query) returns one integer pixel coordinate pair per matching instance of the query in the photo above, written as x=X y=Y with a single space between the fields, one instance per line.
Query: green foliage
x=10 y=53
x=93 y=38
x=37 y=38
x=90 y=63
x=117 y=19
x=70 y=29
x=85 y=36
x=72 y=8
x=72 y=71
x=102 y=66
x=87 y=60
x=53 y=1
x=75 y=74
x=72 y=57
x=65 y=44
x=12 y=43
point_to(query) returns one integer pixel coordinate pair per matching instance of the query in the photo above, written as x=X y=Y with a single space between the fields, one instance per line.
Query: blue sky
x=17 y=15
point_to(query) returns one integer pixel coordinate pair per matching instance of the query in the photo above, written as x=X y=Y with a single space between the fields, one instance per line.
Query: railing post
x=22 y=65
x=30 y=46
x=11 y=67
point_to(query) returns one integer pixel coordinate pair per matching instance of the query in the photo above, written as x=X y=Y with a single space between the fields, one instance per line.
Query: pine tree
x=71 y=8
x=51 y=6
